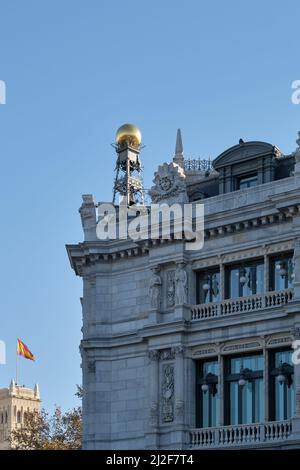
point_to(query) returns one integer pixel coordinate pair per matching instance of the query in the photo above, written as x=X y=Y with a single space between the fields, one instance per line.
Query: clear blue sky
x=75 y=71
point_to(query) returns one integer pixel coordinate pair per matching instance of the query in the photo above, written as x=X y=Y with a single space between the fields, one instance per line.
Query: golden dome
x=128 y=133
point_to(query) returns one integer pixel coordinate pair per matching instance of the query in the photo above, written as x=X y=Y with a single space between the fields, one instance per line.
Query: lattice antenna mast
x=128 y=181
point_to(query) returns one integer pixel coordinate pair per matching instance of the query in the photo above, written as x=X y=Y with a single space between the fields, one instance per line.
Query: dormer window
x=247 y=181
x=246 y=165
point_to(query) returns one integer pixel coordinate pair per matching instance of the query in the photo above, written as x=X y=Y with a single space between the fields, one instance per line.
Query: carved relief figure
x=170 y=289
x=296 y=260
x=180 y=284
x=155 y=288
x=297 y=151
x=168 y=393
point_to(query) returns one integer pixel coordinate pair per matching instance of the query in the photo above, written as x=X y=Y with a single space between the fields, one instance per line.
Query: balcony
x=242 y=304
x=240 y=435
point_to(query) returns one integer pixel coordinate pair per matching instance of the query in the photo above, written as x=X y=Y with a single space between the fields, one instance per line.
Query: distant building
x=15 y=402
x=192 y=349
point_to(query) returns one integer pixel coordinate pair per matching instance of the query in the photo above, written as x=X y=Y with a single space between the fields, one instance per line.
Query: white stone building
x=186 y=349
x=15 y=402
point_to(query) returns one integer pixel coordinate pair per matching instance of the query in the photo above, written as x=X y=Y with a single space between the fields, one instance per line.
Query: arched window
x=2 y=418
x=19 y=417
x=6 y=417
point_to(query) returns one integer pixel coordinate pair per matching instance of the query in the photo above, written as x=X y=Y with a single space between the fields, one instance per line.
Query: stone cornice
x=87 y=253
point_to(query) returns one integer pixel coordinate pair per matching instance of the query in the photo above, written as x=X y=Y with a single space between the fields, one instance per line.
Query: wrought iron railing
x=198 y=165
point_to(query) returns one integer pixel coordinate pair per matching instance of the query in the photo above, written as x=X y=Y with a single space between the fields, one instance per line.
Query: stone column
x=296 y=259
x=295 y=331
x=179 y=409
x=267 y=383
x=266 y=273
x=222 y=281
x=179 y=383
x=221 y=390
x=152 y=438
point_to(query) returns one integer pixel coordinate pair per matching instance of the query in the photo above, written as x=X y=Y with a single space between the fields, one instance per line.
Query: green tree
x=41 y=431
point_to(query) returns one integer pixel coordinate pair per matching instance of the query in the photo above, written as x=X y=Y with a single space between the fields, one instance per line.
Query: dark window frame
x=199 y=394
x=229 y=378
x=272 y=372
x=272 y=261
x=245 y=264
x=247 y=176
x=203 y=273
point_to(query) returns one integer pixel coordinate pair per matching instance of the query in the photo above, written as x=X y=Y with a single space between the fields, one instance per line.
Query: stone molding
x=83 y=254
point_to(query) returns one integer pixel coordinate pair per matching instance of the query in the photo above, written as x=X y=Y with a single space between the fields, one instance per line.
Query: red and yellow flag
x=22 y=350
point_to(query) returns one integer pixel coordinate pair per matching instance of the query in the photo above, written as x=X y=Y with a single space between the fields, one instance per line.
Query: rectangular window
x=282 y=401
x=245 y=280
x=247 y=181
x=207 y=394
x=244 y=392
x=208 y=286
x=281 y=272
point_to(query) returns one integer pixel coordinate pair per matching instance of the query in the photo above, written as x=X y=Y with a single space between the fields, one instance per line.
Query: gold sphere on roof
x=128 y=133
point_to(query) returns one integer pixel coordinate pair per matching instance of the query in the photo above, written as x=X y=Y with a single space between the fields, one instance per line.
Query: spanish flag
x=22 y=350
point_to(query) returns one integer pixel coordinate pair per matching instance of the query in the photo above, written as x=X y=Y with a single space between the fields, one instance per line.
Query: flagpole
x=17 y=364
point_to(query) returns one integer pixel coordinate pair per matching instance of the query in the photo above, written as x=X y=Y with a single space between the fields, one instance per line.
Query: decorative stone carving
x=241 y=346
x=169 y=181
x=170 y=288
x=88 y=211
x=153 y=355
x=168 y=393
x=180 y=284
x=297 y=151
x=167 y=354
x=279 y=340
x=295 y=332
x=296 y=260
x=205 y=351
x=155 y=288
x=178 y=350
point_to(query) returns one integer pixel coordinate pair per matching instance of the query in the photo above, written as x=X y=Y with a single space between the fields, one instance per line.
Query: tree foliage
x=41 y=431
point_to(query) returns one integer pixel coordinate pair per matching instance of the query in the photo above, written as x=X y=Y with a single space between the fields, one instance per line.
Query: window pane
x=234 y=403
x=284 y=394
x=246 y=403
x=252 y=283
x=260 y=279
x=281 y=281
x=212 y=293
x=259 y=412
x=283 y=356
x=211 y=367
x=210 y=401
x=248 y=182
x=253 y=363
x=234 y=290
x=246 y=397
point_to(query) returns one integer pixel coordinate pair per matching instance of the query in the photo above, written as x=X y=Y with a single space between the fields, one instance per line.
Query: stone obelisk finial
x=178 y=157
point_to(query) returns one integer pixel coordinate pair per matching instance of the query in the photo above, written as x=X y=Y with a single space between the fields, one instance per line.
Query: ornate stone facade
x=145 y=330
